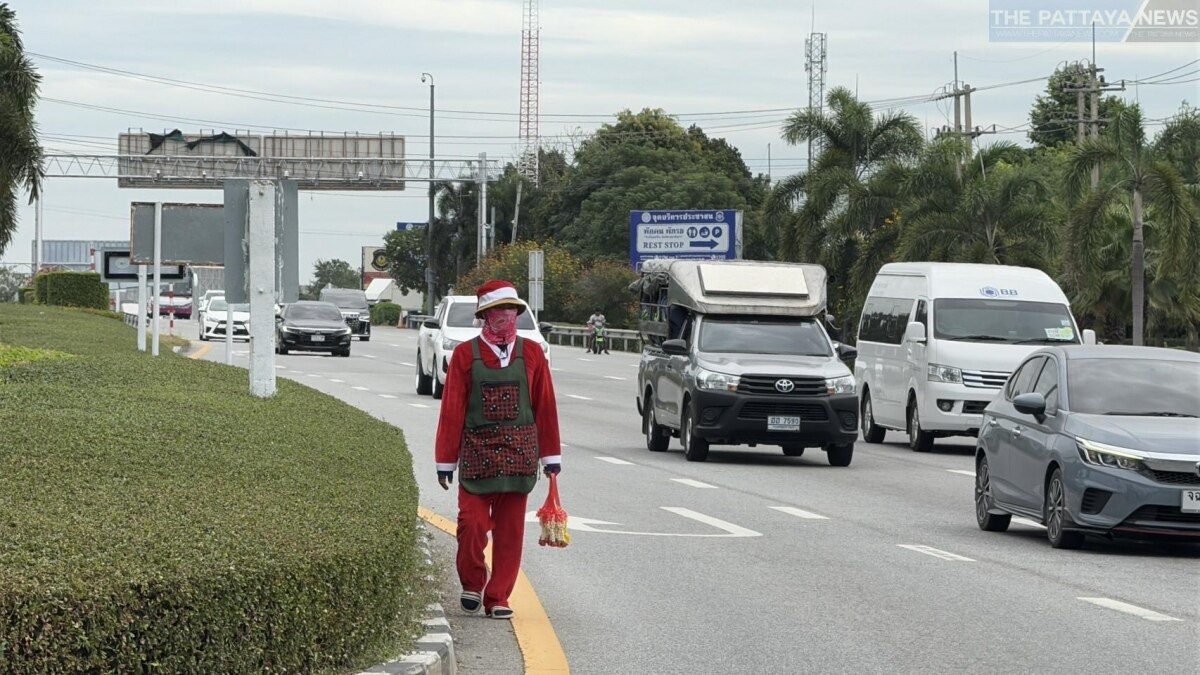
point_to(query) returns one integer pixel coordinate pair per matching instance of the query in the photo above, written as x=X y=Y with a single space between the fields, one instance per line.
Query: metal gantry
x=815 y=66
x=527 y=164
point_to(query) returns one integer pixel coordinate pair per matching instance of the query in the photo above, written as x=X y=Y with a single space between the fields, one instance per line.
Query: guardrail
x=576 y=336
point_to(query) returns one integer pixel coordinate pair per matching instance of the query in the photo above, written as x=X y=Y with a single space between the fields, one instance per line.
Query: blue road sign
x=403 y=227
x=684 y=235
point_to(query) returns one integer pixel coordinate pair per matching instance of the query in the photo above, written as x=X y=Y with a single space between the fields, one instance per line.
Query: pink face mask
x=500 y=325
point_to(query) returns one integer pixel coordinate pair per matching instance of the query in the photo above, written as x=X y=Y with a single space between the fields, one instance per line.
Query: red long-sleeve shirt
x=458 y=388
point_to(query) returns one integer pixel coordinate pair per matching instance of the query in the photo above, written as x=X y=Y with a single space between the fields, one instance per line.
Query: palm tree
x=20 y=151
x=991 y=208
x=1139 y=182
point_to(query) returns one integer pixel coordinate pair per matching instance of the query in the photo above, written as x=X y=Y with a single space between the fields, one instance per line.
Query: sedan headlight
x=840 y=385
x=449 y=345
x=944 y=374
x=288 y=329
x=1102 y=454
x=707 y=379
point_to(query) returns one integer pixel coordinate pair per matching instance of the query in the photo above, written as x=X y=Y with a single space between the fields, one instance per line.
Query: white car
x=212 y=326
x=455 y=319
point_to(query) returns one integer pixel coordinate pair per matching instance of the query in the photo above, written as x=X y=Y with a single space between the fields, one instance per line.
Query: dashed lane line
x=418 y=405
x=733 y=530
x=799 y=513
x=338 y=381
x=1140 y=612
x=615 y=460
x=936 y=552
x=360 y=389
x=369 y=356
x=410 y=365
x=581 y=398
x=963 y=472
x=614 y=377
x=393 y=345
x=386 y=396
x=1026 y=521
x=315 y=375
x=279 y=367
x=693 y=483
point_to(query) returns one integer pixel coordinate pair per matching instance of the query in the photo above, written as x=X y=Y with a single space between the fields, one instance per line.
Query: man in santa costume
x=498 y=419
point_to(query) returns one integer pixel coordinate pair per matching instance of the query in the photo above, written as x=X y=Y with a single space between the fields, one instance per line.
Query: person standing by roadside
x=499 y=417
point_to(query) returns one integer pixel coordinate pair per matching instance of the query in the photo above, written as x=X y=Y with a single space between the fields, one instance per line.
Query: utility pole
x=1088 y=86
x=37 y=231
x=516 y=212
x=429 y=289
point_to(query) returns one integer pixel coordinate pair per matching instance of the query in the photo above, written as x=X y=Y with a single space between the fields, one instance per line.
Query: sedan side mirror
x=1033 y=404
x=430 y=323
x=915 y=332
x=846 y=352
x=675 y=347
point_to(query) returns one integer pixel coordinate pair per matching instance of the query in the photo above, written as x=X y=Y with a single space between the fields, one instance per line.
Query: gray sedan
x=1094 y=439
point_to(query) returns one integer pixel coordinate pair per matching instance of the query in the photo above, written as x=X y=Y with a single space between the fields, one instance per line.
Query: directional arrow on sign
x=578 y=524
x=703 y=244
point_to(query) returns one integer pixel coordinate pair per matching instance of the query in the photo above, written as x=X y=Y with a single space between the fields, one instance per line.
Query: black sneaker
x=500 y=612
x=471 y=601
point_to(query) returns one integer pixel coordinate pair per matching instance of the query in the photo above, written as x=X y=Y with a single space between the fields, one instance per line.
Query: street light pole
x=429 y=291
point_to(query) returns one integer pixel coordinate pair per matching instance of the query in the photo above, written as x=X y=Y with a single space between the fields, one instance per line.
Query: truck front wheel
x=840 y=454
x=695 y=449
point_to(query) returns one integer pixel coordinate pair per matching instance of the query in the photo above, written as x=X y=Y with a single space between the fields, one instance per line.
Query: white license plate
x=1189 y=501
x=778 y=423
x=318 y=338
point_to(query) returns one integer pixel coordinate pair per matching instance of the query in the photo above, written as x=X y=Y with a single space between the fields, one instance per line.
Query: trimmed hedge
x=385 y=314
x=156 y=517
x=28 y=295
x=71 y=289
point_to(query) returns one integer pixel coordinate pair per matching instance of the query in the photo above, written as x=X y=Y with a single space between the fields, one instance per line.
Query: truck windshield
x=1008 y=321
x=462 y=315
x=792 y=337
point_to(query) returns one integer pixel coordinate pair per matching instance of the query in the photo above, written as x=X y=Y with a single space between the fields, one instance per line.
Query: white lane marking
x=418 y=405
x=1026 y=521
x=392 y=345
x=693 y=483
x=314 y=375
x=1119 y=606
x=360 y=388
x=588 y=360
x=338 y=381
x=614 y=377
x=410 y=365
x=614 y=460
x=281 y=367
x=581 y=398
x=386 y=396
x=799 y=513
x=368 y=356
x=733 y=530
x=963 y=472
x=564 y=445
x=936 y=552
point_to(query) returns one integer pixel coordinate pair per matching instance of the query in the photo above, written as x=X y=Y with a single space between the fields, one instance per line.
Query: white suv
x=455 y=319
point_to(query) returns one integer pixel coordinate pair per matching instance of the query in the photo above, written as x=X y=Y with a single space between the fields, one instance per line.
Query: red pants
x=504 y=515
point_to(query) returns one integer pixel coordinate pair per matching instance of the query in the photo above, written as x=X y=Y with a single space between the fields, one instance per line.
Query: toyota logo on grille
x=784 y=386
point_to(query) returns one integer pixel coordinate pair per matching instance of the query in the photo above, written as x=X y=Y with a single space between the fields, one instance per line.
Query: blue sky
x=685 y=56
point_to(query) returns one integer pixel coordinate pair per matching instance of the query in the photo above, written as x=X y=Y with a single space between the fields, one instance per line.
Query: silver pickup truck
x=736 y=353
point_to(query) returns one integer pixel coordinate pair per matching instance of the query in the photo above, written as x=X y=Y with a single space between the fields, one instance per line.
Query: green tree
x=336 y=273
x=407 y=258
x=993 y=208
x=645 y=160
x=605 y=285
x=1053 y=118
x=20 y=151
x=511 y=263
x=11 y=281
x=1143 y=194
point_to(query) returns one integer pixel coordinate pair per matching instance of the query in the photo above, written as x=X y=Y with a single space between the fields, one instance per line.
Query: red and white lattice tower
x=527 y=164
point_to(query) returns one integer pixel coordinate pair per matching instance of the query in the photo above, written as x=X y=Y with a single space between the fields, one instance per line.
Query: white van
x=937 y=342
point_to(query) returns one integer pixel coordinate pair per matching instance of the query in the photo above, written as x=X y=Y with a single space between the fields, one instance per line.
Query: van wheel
x=695 y=449
x=918 y=439
x=988 y=521
x=793 y=449
x=658 y=438
x=424 y=386
x=872 y=433
x=840 y=455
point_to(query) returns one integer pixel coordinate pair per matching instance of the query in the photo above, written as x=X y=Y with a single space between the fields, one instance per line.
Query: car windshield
x=462 y=315
x=322 y=311
x=1009 y=321
x=1149 y=387
x=240 y=307
x=218 y=304
x=795 y=337
x=346 y=299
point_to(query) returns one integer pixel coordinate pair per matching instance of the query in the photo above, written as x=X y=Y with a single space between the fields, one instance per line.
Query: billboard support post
x=157 y=275
x=141 y=324
x=260 y=237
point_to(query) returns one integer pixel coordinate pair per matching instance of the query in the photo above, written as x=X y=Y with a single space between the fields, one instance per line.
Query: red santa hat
x=498 y=293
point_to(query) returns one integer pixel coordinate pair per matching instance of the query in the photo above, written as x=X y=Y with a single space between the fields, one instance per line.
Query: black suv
x=355 y=310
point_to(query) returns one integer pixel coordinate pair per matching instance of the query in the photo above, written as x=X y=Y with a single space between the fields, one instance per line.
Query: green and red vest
x=499 y=451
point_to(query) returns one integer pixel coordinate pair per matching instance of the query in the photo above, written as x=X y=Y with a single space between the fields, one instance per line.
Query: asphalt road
x=755 y=562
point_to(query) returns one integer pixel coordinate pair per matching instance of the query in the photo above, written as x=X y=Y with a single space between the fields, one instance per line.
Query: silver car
x=1094 y=439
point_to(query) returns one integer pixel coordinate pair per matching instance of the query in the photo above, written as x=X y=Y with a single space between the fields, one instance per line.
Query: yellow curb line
x=200 y=352
x=540 y=648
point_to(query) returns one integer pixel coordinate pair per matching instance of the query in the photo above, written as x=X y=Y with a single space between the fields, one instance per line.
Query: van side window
x=884 y=320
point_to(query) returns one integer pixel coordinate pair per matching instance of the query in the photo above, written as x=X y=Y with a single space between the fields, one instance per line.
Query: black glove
x=445 y=478
x=552 y=469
